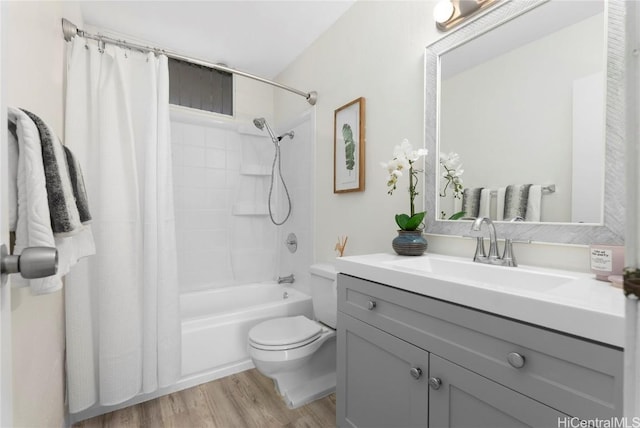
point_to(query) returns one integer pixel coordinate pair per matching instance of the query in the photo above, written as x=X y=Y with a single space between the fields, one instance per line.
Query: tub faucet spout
x=286 y=279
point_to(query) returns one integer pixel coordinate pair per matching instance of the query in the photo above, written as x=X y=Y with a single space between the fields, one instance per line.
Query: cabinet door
x=382 y=380
x=466 y=399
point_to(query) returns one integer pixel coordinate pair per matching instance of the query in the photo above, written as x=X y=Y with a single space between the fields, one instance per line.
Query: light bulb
x=443 y=11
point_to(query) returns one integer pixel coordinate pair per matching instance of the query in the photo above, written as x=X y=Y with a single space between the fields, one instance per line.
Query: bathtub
x=215 y=325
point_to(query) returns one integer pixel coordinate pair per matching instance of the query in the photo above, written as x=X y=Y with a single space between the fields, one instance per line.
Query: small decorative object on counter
x=341 y=244
x=404 y=158
x=409 y=243
x=606 y=260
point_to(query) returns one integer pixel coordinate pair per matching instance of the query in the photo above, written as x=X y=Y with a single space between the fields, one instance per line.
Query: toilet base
x=304 y=394
x=313 y=381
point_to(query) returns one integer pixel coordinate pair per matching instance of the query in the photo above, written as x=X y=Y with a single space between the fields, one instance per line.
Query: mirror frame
x=611 y=231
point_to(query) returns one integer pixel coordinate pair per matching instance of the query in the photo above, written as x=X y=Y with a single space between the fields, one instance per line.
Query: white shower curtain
x=122 y=305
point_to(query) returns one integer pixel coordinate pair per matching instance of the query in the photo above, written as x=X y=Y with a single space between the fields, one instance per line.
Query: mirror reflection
x=521 y=119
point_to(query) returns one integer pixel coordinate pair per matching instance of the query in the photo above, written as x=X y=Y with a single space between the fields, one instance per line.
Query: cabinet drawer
x=580 y=378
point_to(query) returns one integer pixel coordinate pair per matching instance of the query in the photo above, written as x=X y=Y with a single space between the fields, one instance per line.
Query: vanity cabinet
x=484 y=369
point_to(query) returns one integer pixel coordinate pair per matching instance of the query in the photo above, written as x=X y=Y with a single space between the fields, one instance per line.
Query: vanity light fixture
x=449 y=13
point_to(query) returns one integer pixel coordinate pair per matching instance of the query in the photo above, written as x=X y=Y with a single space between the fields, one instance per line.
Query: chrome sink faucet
x=480 y=255
x=508 y=258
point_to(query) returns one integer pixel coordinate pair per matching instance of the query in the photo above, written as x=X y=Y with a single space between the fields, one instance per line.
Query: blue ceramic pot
x=409 y=243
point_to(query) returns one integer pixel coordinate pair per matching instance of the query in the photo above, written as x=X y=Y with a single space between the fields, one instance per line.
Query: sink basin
x=470 y=272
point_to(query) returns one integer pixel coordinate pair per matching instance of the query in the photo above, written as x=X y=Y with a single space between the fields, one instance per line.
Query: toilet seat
x=284 y=333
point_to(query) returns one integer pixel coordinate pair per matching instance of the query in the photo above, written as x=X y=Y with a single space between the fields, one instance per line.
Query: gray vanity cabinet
x=462 y=398
x=385 y=384
x=484 y=370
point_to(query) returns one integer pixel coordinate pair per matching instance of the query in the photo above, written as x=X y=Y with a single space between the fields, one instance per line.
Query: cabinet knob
x=416 y=372
x=435 y=382
x=371 y=305
x=516 y=360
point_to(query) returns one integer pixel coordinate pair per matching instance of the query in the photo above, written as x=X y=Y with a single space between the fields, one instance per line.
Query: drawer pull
x=435 y=382
x=416 y=372
x=371 y=305
x=516 y=360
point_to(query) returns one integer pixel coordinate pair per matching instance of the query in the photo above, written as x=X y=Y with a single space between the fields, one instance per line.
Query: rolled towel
x=515 y=201
x=500 y=203
x=485 y=203
x=471 y=202
x=65 y=218
x=534 y=203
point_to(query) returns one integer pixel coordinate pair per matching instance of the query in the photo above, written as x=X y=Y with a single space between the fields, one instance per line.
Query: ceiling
x=257 y=36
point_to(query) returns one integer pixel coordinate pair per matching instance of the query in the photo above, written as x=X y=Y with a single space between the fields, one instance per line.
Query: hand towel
x=65 y=219
x=12 y=187
x=33 y=220
x=515 y=201
x=485 y=203
x=534 y=202
x=500 y=203
x=471 y=201
x=79 y=190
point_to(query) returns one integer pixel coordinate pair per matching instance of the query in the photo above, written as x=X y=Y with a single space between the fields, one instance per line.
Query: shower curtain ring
x=101 y=46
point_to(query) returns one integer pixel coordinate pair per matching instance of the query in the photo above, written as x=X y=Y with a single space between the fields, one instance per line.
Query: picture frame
x=348 y=147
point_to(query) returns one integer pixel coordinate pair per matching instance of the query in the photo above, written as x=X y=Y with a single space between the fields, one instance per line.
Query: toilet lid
x=285 y=331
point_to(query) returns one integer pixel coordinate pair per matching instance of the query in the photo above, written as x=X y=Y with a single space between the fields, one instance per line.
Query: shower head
x=259 y=122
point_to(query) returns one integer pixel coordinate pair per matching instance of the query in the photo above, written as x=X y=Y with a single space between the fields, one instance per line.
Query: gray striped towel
x=65 y=194
x=471 y=201
x=515 y=201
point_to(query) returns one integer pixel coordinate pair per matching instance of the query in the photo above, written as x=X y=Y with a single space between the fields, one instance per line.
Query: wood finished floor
x=246 y=399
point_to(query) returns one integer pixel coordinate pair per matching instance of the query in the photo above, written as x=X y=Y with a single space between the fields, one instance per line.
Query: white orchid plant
x=404 y=159
x=452 y=174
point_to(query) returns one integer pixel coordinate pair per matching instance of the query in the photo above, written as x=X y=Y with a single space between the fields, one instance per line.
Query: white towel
x=485 y=203
x=500 y=203
x=534 y=203
x=32 y=215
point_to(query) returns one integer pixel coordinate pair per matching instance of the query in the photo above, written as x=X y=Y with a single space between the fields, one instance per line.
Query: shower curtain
x=122 y=305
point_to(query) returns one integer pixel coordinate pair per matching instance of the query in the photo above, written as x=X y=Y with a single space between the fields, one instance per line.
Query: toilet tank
x=324 y=293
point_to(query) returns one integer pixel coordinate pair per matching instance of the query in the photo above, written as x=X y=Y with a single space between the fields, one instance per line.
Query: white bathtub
x=215 y=324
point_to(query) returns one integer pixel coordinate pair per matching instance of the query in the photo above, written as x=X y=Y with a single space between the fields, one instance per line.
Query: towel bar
x=551 y=188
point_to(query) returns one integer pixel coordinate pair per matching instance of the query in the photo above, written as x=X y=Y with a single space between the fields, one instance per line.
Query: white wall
x=376 y=50
x=34 y=67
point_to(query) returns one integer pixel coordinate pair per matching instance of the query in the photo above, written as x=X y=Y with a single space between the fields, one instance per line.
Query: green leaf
x=401 y=221
x=458 y=215
x=409 y=223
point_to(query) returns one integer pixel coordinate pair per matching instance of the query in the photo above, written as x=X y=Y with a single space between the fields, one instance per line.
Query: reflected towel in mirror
x=471 y=201
x=516 y=199
x=534 y=202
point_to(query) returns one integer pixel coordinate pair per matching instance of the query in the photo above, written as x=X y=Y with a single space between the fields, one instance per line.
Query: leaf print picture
x=348 y=147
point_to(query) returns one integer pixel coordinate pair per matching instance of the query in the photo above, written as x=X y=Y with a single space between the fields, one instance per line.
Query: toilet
x=298 y=353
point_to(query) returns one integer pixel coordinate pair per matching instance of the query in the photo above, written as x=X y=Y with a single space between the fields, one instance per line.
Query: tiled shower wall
x=216 y=247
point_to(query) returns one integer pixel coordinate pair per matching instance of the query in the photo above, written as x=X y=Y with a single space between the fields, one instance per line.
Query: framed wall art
x=348 y=147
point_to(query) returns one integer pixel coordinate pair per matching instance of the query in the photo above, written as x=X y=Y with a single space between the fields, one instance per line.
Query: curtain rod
x=70 y=30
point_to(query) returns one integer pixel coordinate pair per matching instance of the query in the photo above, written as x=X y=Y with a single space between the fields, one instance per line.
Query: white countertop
x=583 y=306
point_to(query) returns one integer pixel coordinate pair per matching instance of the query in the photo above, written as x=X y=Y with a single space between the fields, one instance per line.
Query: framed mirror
x=530 y=97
